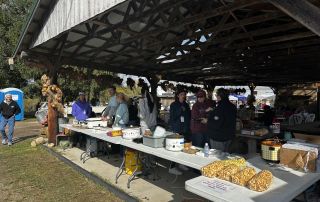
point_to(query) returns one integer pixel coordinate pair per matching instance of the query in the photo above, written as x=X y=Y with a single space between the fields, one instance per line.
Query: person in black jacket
x=221 y=122
x=8 y=108
x=180 y=115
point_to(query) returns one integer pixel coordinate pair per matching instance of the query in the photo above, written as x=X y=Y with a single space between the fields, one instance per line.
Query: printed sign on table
x=217 y=186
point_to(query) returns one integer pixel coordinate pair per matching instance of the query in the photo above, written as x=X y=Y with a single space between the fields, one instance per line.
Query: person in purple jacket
x=81 y=109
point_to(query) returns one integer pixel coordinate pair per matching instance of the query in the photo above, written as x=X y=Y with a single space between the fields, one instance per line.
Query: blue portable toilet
x=17 y=95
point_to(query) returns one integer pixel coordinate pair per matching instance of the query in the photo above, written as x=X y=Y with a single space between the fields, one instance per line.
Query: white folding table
x=286 y=185
x=100 y=134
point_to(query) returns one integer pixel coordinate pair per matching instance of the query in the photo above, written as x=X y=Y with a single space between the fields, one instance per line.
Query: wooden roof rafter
x=183 y=39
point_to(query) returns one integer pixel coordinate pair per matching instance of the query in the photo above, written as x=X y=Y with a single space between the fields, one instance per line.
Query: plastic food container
x=116 y=131
x=155 y=142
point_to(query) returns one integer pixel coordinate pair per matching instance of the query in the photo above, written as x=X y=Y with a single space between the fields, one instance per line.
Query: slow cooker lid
x=175 y=136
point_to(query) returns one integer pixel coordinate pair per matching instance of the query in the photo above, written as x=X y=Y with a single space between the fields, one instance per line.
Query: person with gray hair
x=109 y=112
x=8 y=109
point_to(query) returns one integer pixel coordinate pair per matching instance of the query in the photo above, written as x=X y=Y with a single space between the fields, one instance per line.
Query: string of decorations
x=80 y=75
x=167 y=86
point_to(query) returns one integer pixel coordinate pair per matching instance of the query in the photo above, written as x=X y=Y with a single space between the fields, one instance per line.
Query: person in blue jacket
x=81 y=109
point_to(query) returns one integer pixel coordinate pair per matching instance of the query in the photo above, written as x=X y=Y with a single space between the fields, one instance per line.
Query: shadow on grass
x=20 y=139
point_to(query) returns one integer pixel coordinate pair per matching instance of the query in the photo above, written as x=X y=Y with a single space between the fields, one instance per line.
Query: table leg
x=135 y=172
x=86 y=155
x=252 y=146
x=154 y=166
x=121 y=169
x=107 y=151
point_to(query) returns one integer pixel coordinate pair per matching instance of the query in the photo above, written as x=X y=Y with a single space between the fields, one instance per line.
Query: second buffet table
x=286 y=185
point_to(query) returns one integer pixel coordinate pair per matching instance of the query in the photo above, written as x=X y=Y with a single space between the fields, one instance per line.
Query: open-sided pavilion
x=267 y=42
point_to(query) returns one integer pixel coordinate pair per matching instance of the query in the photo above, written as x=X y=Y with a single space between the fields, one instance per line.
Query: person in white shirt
x=147 y=111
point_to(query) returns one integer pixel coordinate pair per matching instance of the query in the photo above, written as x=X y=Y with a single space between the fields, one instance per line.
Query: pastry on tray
x=227 y=171
x=261 y=181
x=242 y=177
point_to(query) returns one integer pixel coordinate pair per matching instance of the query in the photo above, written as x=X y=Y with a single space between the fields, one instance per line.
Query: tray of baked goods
x=255 y=131
x=236 y=171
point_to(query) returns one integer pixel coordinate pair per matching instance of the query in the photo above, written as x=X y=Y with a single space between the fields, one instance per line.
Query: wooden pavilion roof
x=197 y=41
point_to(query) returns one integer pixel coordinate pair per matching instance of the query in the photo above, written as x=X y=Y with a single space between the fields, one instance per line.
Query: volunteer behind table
x=221 y=122
x=198 y=112
x=81 y=109
x=180 y=115
x=8 y=108
x=147 y=111
x=110 y=110
x=122 y=112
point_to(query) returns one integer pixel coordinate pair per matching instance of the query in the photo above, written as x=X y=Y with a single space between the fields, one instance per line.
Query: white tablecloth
x=286 y=185
x=190 y=160
x=99 y=134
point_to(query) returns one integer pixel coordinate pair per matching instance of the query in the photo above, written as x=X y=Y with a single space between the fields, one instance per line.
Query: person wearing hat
x=221 y=121
x=8 y=109
x=199 y=129
x=81 y=109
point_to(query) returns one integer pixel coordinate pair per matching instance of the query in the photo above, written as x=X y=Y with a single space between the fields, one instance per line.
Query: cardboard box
x=292 y=158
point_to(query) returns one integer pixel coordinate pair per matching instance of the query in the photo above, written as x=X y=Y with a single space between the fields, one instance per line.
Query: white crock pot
x=174 y=142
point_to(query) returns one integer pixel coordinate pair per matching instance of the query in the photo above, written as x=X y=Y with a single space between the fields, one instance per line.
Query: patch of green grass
x=32 y=174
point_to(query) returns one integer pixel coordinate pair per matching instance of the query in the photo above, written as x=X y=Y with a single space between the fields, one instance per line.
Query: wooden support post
x=209 y=87
x=52 y=123
x=52 y=113
x=252 y=87
x=302 y=11
x=153 y=80
x=276 y=93
x=89 y=83
x=318 y=104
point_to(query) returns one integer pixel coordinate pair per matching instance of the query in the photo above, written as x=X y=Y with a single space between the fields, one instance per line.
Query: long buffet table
x=287 y=183
x=99 y=134
x=193 y=161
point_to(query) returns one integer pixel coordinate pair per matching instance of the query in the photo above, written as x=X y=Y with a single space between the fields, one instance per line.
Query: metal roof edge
x=5 y=90
x=24 y=29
